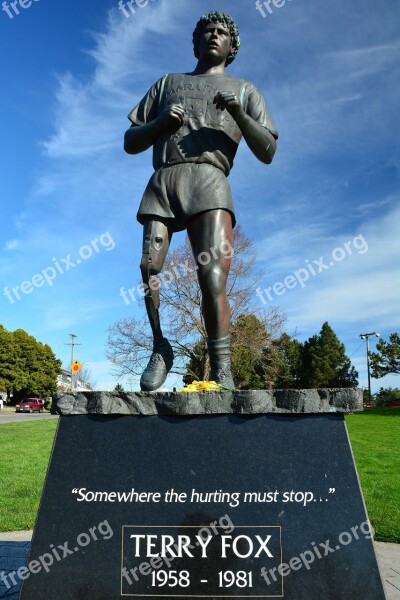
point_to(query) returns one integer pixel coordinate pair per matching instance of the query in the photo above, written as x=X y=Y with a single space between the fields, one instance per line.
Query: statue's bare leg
x=156 y=239
x=211 y=237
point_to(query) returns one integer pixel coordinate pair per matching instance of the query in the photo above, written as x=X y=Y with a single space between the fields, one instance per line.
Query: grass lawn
x=25 y=450
x=375 y=438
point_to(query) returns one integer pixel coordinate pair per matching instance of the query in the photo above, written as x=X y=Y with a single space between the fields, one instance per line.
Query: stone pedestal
x=243 y=402
x=232 y=495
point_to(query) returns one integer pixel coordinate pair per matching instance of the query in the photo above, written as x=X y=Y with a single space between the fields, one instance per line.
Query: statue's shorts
x=176 y=193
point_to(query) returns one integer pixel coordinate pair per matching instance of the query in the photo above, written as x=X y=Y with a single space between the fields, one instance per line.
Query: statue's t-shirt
x=208 y=135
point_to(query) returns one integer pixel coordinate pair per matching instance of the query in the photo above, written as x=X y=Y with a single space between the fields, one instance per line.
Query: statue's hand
x=228 y=101
x=171 y=119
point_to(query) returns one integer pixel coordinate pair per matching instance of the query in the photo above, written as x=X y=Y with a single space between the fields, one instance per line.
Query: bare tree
x=129 y=341
x=85 y=378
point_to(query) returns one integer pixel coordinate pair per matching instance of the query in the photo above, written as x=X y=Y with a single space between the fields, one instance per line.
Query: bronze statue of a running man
x=195 y=121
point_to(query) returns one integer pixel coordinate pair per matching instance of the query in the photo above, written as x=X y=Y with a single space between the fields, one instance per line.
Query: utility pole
x=72 y=343
x=366 y=336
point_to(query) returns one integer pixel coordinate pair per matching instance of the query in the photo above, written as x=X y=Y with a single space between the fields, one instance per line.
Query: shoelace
x=221 y=374
x=154 y=362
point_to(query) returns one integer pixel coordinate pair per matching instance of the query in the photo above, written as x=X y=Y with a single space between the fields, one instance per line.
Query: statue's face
x=215 y=43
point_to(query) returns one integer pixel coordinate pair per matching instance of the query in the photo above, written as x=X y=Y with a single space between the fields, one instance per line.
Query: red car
x=30 y=405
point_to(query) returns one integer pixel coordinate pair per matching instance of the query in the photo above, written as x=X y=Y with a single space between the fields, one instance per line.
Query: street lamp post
x=366 y=336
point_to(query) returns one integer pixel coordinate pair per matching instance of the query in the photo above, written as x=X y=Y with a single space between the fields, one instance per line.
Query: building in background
x=64 y=383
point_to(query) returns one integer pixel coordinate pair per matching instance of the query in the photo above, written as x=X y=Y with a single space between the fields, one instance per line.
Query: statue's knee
x=214 y=279
x=148 y=267
x=153 y=251
x=144 y=267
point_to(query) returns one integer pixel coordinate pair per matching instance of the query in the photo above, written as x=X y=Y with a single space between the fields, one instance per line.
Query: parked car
x=392 y=403
x=30 y=405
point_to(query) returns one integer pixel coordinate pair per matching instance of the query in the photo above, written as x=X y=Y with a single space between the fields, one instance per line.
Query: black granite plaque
x=220 y=506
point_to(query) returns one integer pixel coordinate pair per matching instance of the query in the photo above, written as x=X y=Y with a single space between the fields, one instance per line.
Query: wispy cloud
x=12 y=245
x=363 y=284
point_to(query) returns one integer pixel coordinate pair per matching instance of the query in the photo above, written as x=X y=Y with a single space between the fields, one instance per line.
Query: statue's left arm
x=260 y=141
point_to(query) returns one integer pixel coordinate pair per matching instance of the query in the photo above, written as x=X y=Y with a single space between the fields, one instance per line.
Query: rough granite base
x=242 y=402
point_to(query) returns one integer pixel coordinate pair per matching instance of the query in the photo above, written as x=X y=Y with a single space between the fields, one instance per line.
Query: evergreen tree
x=256 y=359
x=288 y=356
x=9 y=373
x=385 y=395
x=27 y=367
x=198 y=367
x=324 y=362
x=387 y=359
x=249 y=338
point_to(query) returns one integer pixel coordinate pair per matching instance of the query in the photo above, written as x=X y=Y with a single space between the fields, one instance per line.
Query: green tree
x=252 y=367
x=287 y=356
x=9 y=372
x=324 y=362
x=249 y=338
x=385 y=395
x=387 y=359
x=27 y=367
x=198 y=367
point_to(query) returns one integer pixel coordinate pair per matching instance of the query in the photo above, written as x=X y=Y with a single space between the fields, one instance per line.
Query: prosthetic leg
x=156 y=239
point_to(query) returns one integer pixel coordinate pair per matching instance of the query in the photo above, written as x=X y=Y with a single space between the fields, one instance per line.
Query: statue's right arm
x=139 y=138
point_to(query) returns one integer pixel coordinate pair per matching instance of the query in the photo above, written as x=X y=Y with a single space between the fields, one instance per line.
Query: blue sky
x=329 y=73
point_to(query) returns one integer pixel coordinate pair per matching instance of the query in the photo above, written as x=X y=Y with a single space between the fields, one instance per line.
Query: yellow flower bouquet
x=202 y=386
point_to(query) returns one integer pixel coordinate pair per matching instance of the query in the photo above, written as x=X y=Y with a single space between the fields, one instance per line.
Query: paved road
x=389 y=560
x=13 y=417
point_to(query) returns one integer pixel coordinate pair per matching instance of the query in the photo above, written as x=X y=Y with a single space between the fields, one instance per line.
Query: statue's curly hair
x=224 y=19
